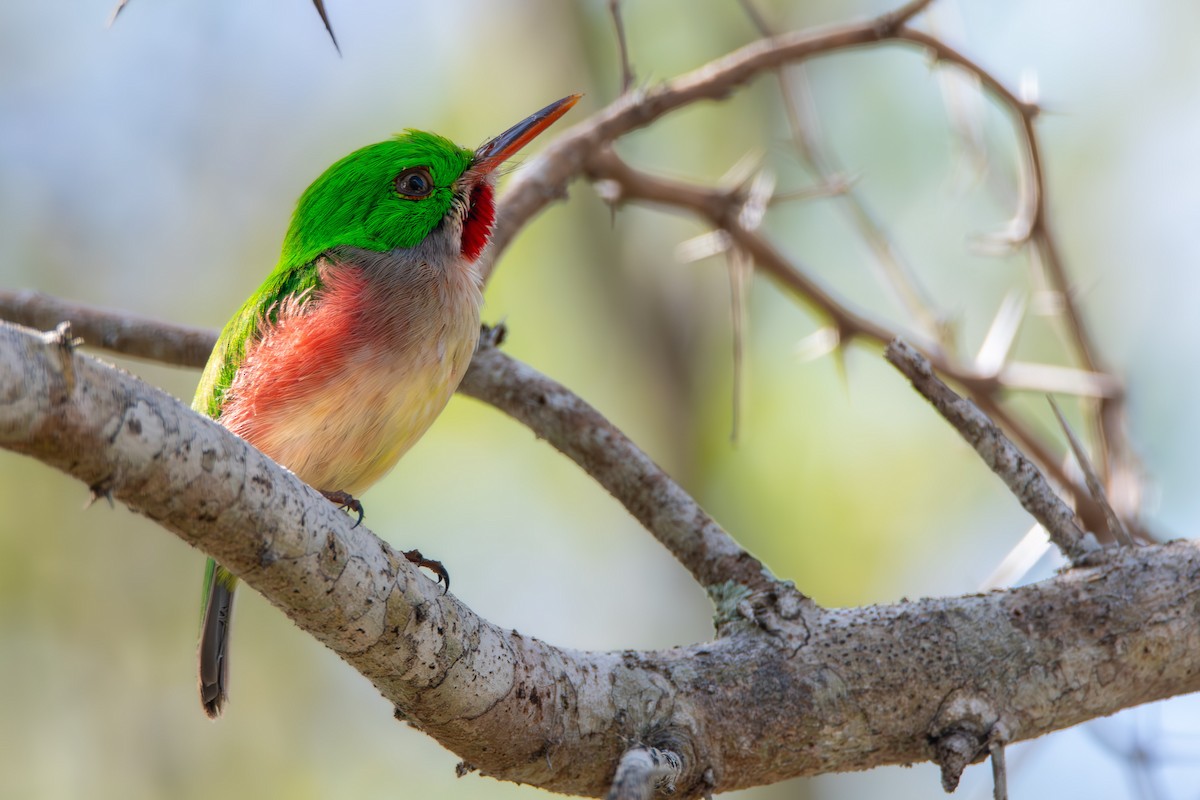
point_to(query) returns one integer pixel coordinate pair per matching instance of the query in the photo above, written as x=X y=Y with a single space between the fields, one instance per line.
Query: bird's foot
x=346 y=500
x=491 y=335
x=435 y=566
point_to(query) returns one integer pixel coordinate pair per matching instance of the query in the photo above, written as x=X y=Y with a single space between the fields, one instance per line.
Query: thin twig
x=1032 y=226
x=909 y=10
x=739 y=267
x=545 y=178
x=720 y=208
x=999 y=772
x=642 y=771
x=1020 y=474
x=585 y=436
x=614 y=8
x=804 y=124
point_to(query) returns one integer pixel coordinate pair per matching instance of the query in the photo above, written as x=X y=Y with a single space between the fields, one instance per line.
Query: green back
x=262 y=307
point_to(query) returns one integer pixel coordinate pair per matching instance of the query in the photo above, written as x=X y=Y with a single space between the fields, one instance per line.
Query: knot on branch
x=777 y=610
x=65 y=343
x=962 y=733
x=643 y=771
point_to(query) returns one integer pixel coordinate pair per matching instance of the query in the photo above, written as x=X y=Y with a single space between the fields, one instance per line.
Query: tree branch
x=546 y=177
x=605 y=453
x=721 y=209
x=1031 y=225
x=552 y=411
x=118 y=331
x=1019 y=474
x=823 y=690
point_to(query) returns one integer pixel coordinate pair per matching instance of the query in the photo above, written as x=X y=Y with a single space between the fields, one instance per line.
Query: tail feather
x=213 y=651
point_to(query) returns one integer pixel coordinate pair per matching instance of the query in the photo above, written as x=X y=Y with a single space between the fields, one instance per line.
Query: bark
x=788 y=689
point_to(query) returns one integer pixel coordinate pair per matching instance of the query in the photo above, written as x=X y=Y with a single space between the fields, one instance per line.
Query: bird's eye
x=415 y=183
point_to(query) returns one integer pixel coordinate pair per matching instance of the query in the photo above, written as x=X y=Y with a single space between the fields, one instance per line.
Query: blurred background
x=152 y=167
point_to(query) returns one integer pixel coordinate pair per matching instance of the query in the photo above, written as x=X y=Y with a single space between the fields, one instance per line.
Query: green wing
x=260 y=311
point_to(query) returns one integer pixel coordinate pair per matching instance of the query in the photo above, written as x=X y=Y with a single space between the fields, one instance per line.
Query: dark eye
x=415 y=182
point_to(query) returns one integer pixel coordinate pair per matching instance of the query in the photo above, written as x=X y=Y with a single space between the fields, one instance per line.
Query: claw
x=346 y=500
x=434 y=566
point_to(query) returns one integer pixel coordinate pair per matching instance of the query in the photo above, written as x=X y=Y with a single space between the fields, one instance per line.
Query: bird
x=354 y=343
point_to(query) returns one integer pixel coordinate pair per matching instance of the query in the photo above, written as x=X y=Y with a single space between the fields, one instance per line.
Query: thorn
x=608 y=190
x=758 y=199
x=998 y=343
x=117 y=10
x=1115 y=526
x=97 y=493
x=1020 y=560
x=741 y=265
x=703 y=246
x=835 y=185
x=1029 y=89
x=320 y=6
x=756 y=18
x=744 y=170
x=818 y=344
x=839 y=362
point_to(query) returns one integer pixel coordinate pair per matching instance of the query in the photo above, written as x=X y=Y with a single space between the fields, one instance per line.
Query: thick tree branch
x=823 y=690
x=788 y=688
x=552 y=411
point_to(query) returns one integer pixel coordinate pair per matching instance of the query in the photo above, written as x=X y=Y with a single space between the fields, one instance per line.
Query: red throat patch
x=477 y=227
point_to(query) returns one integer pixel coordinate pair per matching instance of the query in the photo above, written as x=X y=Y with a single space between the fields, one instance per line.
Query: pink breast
x=300 y=357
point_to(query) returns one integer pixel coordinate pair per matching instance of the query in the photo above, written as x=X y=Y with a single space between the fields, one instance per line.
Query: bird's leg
x=345 y=500
x=436 y=567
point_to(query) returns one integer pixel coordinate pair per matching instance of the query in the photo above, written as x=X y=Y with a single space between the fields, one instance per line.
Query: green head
x=384 y=196
x=394 y=194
